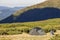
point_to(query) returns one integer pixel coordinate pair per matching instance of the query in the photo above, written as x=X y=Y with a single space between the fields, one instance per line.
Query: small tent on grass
x=37 y=31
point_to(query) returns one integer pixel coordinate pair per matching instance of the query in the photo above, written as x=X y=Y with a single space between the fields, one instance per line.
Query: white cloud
x=13 y=3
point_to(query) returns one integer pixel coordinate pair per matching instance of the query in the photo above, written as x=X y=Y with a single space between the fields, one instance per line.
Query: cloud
x=13 y=3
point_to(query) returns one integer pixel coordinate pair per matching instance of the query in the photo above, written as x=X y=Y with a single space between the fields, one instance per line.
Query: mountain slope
x=49 y=3
x=34 y=15
x=47 y=10
x=38 y=14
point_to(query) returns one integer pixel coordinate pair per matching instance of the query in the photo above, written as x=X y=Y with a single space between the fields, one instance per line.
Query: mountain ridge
x=49 y=3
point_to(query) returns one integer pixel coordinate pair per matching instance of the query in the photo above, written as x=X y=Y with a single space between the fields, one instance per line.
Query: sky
x=18 y=3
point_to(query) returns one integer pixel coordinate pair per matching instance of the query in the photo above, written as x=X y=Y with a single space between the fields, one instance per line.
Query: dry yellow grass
x=25 y=36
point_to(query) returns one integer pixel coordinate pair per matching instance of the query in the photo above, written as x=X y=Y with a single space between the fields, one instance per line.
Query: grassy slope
x=55 y=21
x=45 y=24
x=16 y=28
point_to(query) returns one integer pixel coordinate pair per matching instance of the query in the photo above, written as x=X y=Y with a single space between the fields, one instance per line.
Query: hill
x=47 y=10
x=49 y=3
x=37 y=14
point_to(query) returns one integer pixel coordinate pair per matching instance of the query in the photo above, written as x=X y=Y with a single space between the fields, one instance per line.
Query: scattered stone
x=52 y=32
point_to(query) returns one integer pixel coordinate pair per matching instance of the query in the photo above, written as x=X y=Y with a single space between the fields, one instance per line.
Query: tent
x=37 y=31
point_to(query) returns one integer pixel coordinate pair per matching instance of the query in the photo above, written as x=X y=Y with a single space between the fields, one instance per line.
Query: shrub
x=26 y=30
x=2 y=32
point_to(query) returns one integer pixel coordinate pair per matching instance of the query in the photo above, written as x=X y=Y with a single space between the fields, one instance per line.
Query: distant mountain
x=6 y=11
x=47 y=10
x=16 y=8
x=3 y=7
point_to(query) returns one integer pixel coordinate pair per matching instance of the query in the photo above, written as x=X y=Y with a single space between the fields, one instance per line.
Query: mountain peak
x=49 y=3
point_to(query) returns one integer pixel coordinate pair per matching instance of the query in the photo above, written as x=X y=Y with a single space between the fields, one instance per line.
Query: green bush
x=48 y=30
x=26 y=30
x=2 y=32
